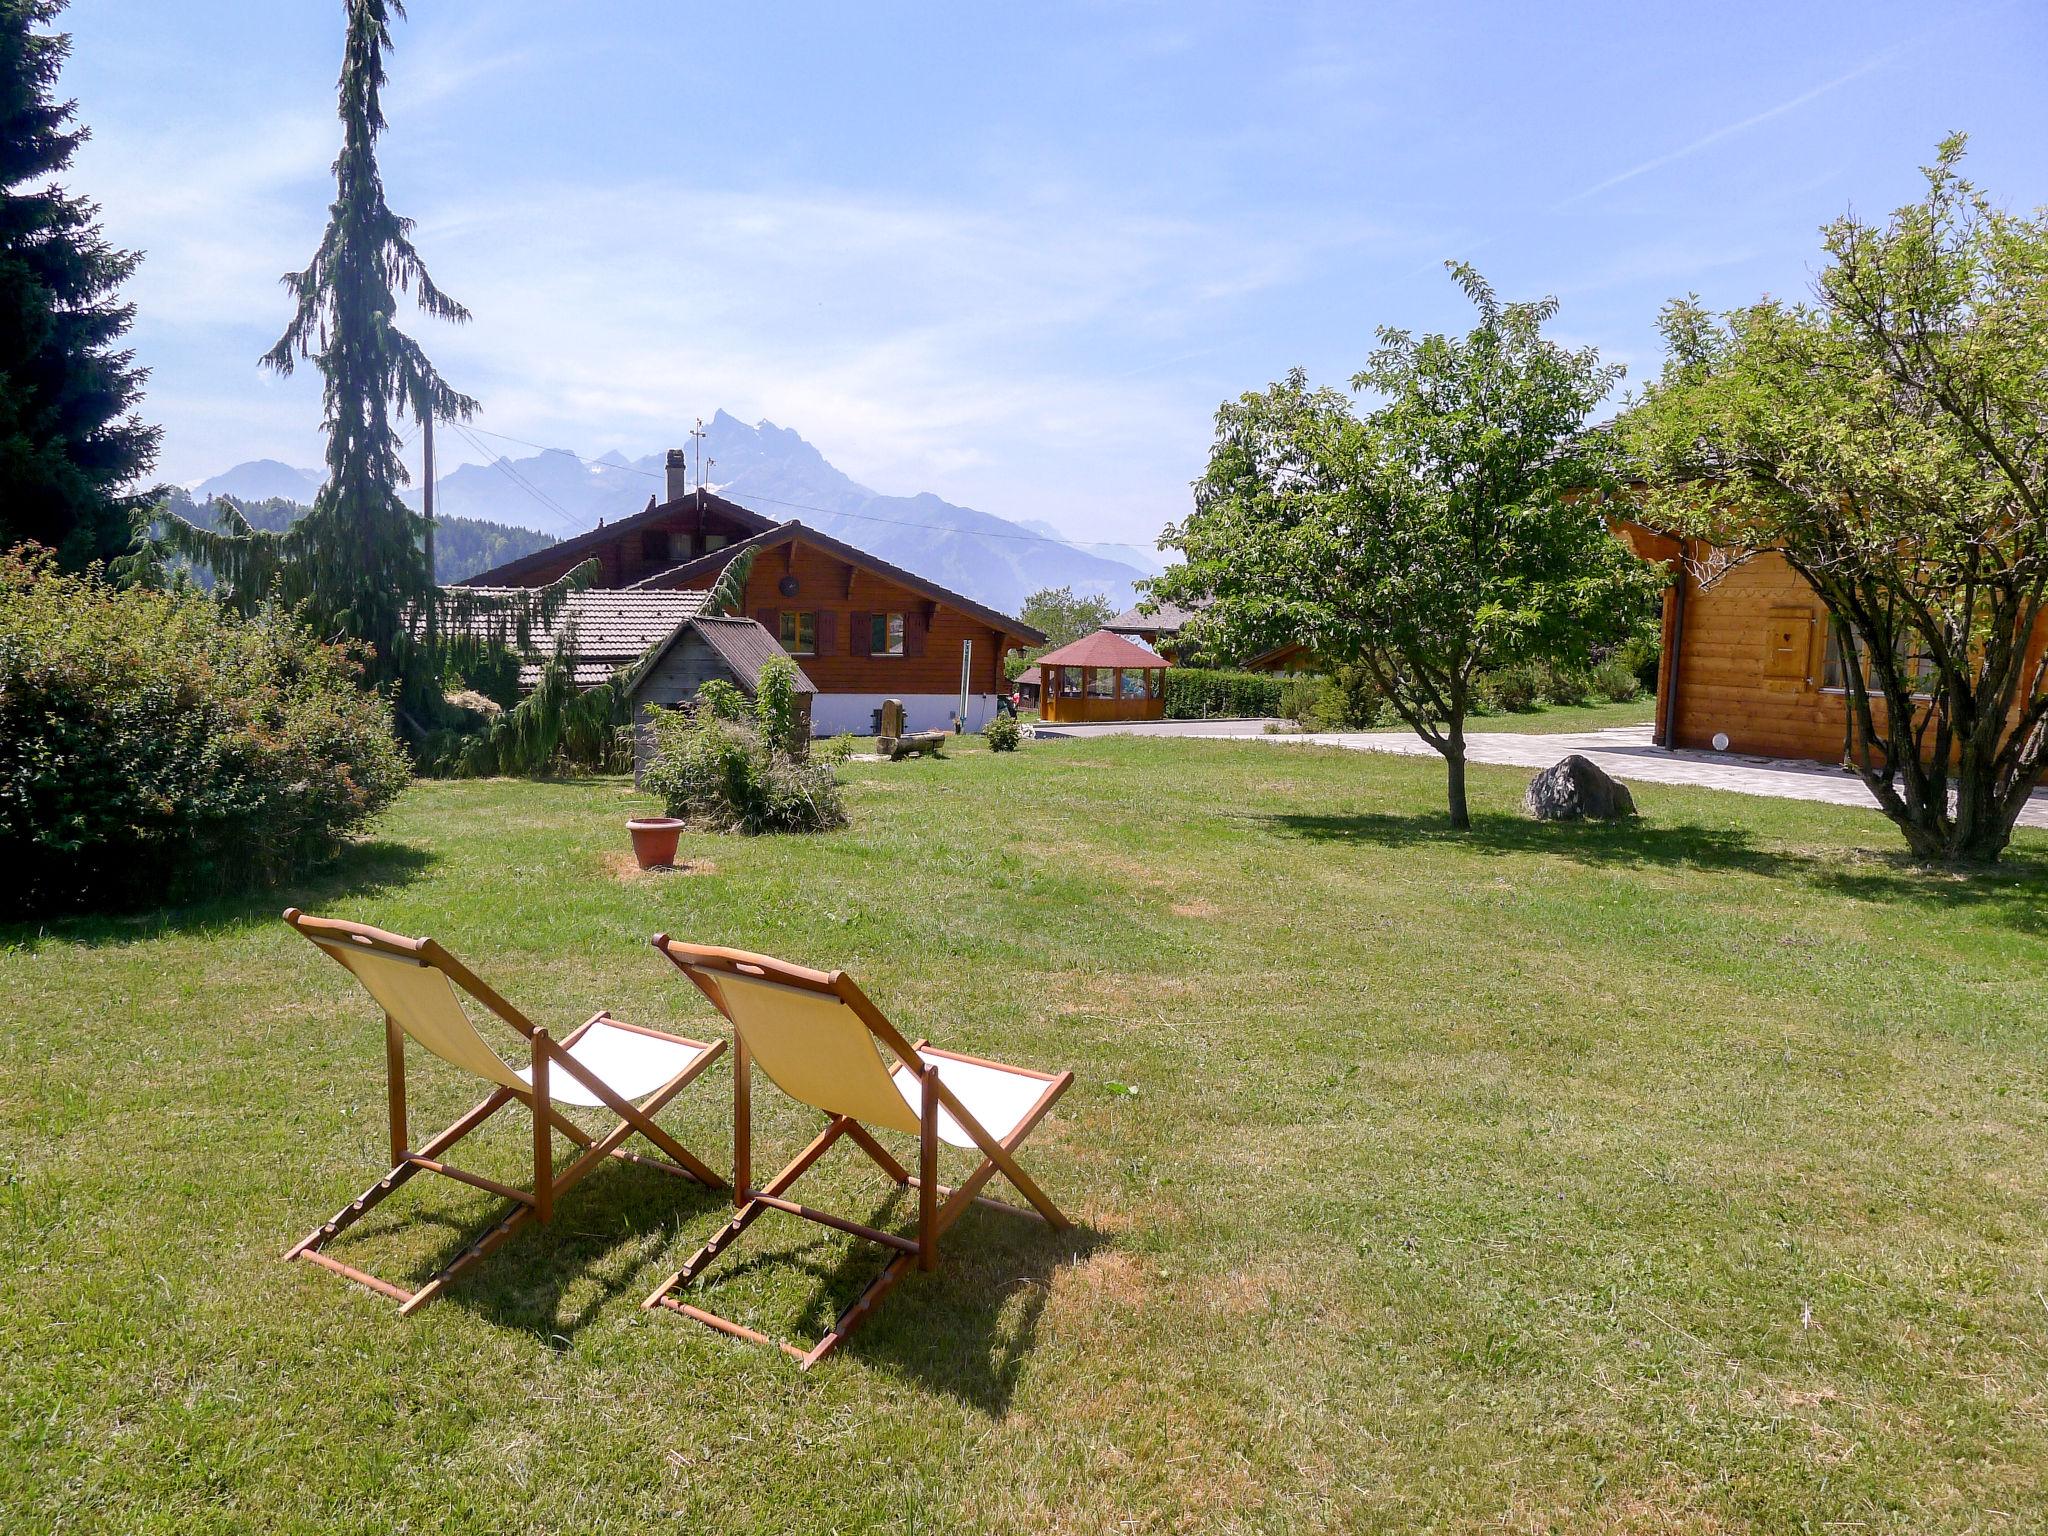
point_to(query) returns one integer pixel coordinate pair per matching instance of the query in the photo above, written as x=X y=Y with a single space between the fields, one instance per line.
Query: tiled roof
x=1169 y=620
x=746 y=647
x=613 y=628
x=1102 y=649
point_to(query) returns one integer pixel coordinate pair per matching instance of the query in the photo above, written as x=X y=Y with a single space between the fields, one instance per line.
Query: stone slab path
x=1624 y=751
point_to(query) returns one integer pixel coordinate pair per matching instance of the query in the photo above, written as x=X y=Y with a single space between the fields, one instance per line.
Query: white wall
x=834 y=714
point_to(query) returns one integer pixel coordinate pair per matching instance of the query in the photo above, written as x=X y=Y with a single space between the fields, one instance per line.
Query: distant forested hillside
x=462 y=545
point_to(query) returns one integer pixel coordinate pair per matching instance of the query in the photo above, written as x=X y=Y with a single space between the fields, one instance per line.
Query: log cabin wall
x=1752 y=665
x=838 y=595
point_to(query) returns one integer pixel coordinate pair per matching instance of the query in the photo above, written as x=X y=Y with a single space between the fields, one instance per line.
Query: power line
x=504 y=466
x=803 y=506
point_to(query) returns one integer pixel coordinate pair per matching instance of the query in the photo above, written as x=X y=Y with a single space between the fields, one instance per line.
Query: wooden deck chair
x=820 y=1040
x=629 y=1070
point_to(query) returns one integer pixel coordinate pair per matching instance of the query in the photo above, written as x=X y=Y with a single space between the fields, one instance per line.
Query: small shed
x=1028 y=683
x=1102 y=677
x=700 y=649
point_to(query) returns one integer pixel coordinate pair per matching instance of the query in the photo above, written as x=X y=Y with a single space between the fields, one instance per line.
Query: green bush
x=1200 y=693
x=1615 y=680
x=1509 y=690
x=1002 y=732
x=1345 y=699
x=155 y=748
x=1561 y=684
x=776 y=714
x=720 y=700
x=720 y=774
x=1642 y=654
x=838 y=749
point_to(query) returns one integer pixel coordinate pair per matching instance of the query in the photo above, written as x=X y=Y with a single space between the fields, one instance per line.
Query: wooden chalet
x=861 y=629
x=1750 y=663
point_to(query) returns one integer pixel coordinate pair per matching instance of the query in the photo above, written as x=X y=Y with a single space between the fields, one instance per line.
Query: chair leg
x=349 y=1214
x=744 y=1217
x=928 y=1174
x=862 y=1308
x=543 y=1135
x=443 y=1277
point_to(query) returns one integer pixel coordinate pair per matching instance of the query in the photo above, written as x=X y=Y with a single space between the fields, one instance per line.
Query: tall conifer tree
x=355 y=566
x=70 y=442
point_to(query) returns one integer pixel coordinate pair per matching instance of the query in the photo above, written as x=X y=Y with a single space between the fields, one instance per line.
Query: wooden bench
x=918 y=744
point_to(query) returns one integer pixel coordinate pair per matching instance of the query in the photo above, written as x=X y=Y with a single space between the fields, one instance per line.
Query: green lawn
x=1687 y=1176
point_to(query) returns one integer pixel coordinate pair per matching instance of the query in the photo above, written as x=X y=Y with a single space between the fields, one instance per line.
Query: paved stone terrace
x=1624 y=751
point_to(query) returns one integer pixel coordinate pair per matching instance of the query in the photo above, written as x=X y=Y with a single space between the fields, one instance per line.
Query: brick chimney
x=678 y=464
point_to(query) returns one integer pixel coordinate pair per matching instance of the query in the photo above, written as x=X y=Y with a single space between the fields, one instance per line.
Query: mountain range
x=774 y=471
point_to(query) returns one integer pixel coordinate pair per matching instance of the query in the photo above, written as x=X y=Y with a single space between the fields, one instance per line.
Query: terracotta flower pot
x=654 y=840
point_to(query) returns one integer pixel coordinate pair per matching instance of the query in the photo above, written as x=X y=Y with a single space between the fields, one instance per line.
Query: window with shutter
x=799 y=632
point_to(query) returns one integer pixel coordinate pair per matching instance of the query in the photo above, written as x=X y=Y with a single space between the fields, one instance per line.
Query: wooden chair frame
x=538 y=1202
x=933 y=1217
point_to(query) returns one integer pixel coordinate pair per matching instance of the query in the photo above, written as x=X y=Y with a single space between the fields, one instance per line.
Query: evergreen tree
x=69 y=437
x=355 y=566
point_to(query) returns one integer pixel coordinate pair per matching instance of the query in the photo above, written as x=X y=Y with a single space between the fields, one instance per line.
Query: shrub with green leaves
x=1643 y=654
x=837 y=749
x=777 y=714
x=721 y=775
x=1561 y=684
x=1343 y=699
x=156 y=748
x=1615 y=680
x=720 y=700
x=1509 y=690
x=1204 y=693
x=1002 y=732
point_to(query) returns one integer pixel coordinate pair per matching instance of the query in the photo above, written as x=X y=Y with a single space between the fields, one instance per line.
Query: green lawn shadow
x=2014 y=892
x=952 y=1329
x=361 y=868
x=526 y=1283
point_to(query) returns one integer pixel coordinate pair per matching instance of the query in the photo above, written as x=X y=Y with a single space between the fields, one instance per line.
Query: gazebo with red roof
x=1102 y=677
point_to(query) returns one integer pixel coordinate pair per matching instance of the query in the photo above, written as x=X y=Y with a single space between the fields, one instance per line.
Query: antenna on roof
x=697 y=436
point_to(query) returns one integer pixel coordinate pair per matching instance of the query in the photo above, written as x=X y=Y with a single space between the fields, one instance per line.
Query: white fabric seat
x=995 y=1096
x=629 y=1063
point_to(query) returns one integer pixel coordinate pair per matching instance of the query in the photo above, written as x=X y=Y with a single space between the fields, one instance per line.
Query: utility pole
x=427 y=506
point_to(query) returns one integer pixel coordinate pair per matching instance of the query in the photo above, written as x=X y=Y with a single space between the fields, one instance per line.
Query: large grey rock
x=1577 y=790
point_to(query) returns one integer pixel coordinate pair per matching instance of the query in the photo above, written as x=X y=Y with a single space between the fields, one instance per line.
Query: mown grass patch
x=1679 y=1176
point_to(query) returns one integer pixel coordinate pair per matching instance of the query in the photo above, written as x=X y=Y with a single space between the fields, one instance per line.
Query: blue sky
x=1016 y=254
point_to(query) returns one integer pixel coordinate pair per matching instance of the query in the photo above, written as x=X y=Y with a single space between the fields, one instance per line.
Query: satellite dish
x=787 y=586
x=1720 y=741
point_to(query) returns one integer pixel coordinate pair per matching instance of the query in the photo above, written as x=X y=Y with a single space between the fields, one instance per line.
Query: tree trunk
x=1454 y=763
x=1979 y=831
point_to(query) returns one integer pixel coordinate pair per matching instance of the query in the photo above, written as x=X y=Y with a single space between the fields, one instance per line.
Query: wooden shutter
x=1788 y=644
x=861 y=630
x=827 y=632
x=915 y=627
x=770 y=619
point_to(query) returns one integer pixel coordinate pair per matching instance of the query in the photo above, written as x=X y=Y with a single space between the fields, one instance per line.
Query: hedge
x=1200 y=693
x=154 y=747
